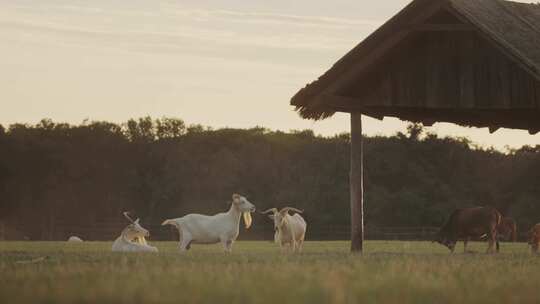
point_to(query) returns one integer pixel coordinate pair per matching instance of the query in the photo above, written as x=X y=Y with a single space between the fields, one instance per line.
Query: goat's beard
x=247 y=219
x=140 y=240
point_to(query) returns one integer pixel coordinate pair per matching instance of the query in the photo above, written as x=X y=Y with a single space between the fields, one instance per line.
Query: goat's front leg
x=285 y=247
x=227 y=245
x=299 y=245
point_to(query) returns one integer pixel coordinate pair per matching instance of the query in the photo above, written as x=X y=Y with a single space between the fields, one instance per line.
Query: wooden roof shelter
x=469 y=62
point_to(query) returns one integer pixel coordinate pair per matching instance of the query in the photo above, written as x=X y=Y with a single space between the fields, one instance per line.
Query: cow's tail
x=499 y=217
x=499 y=221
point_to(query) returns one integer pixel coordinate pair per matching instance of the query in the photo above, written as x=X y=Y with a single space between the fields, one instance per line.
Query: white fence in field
x=109 y=230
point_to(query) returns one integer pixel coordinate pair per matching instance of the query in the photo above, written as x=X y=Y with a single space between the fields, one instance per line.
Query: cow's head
x=445 y=241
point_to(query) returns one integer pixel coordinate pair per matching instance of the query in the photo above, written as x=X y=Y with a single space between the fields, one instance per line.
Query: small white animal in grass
x=74 y=239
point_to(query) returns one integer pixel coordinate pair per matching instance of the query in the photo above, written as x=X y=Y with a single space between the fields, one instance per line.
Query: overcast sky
x=223 y=63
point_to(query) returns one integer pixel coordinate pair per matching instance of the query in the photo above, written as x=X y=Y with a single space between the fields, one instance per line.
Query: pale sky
x=229 y=63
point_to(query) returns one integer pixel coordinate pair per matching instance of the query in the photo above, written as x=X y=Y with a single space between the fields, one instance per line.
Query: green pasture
x=256 y=272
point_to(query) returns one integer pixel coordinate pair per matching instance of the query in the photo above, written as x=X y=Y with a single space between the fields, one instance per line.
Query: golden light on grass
x=256 y=272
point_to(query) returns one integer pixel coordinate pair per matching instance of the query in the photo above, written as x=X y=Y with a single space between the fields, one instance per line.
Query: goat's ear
x=235 y=197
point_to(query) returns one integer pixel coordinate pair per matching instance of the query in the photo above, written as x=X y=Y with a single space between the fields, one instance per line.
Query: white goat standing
x=290 y=229
x=132 y=238
x=222 y=227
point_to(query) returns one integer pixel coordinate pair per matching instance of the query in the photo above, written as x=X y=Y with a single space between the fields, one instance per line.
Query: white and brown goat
x=290 y=230
x=133 y=238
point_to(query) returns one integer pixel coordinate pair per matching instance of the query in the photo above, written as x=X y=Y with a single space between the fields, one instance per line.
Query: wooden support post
x=356 y=184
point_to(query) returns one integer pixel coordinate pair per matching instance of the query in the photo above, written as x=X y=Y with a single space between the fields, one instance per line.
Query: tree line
x=56 y=173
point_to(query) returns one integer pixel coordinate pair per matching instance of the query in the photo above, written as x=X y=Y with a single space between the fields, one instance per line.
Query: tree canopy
x=54 y=173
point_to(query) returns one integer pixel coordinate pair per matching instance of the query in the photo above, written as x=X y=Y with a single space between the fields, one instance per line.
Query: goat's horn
x=126 y=214
x=291 y=209
x=273 y=210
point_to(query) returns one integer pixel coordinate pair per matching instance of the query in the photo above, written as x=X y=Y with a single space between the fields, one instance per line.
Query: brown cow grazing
x=534 y=238
x=507 y=229
x=468 y=223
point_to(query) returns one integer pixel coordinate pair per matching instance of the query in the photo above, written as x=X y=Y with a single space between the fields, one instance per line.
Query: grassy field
x=389 y=272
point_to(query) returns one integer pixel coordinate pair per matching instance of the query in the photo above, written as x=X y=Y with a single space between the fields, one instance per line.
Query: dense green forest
x=54 y=173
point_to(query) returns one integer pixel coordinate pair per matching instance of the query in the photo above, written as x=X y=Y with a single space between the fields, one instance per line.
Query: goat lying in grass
x=220 y=228
x=290 y=229
x=132 y=238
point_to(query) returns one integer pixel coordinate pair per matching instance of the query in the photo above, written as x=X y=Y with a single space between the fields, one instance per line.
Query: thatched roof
x=511 y=28
x=514 y=25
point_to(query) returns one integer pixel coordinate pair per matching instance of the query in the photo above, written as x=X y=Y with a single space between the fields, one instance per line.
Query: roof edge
x=307 y=101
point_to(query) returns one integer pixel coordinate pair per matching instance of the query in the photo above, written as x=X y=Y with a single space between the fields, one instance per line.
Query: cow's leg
x=495 y=240
x=495 y=234
x=490 y=246
x=491 y=241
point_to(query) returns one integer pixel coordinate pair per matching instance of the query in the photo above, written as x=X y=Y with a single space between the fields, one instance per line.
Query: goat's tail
x=172 y=222
x=168 y=222
x=176 y=224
